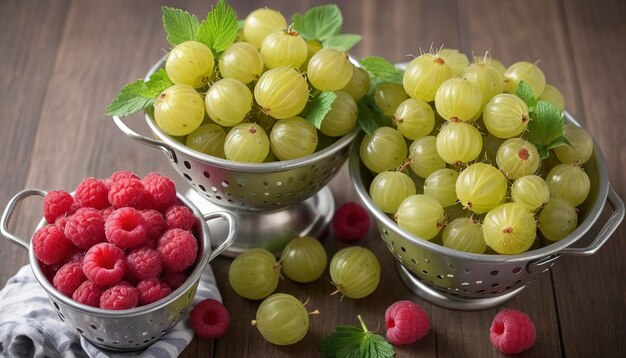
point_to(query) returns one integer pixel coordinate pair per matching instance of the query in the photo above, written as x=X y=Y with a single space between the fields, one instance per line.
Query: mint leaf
x=381 y=69
x=319 y=107
x=526 y=94
x=179 y=25
x=350 y=341
x=342 y=42
x=546 y=129
x=370 y=117
x=319 y=23
x=138 y=95
x=219 y=29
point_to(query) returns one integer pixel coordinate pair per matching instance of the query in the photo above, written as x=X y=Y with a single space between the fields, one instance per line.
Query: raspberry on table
x=174 y=279
x=56 y=204
x=126 y=228
x=152 y=290
x=51 y=245
x=406 y=323
x=104 y=264
x=127 y=192
x=178 y=249
x=142 y=264
x=92 y=193
x=85 y=228
x=119 y=175
x=209 y=319
x=351 y=222
x=88 y=293
x=155 y=223
x=512 y=331
x=179 y=217
x=120 y=297
x=68 y=278
x=161 y=190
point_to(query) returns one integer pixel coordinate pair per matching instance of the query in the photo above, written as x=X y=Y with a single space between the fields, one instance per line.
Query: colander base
x=450 y=301
x=270 y=230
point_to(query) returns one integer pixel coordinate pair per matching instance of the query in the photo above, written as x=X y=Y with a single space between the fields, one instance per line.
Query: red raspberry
x=104 y=264
x=92 y=193
x=88 y=293
x=175 y=279
x=49 y=270
x=51 y=245
x=155 y=224
x=179 y=217
x=209 y=319
x=68 y=278
x=512 y=331
x=61 y=221
x=85 y=228
x=120 y=297
x=126 y=228
x=56 y=204
x=127 y=192
x=406 y=323
x=106 y=212
x=161 y=190
x=77 y=256
x=178 y=249
x=351 y=222
x=142 y=264
x=123 y=174
x=152 y=290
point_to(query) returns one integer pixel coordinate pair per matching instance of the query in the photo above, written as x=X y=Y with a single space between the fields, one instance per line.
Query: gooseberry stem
x=362 y=323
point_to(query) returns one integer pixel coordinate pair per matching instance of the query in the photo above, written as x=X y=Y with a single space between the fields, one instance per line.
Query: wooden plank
x=591 y=291
x=29 y=38
x=512 y=31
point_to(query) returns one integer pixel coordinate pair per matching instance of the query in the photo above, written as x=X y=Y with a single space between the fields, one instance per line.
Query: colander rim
x=270 y=167
x=582 y=228
x=194 y=277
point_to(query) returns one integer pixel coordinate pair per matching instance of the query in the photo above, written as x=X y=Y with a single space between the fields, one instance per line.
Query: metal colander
x=247 y=186
x=461 y=280
x=134 y=328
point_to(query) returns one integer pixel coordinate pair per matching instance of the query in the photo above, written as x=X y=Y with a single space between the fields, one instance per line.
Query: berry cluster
x=119 y=242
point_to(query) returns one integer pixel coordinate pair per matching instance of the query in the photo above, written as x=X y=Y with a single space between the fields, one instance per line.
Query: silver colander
x=466 y=281
x=134 y=328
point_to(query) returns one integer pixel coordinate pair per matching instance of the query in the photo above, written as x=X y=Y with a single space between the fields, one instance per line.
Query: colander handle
x=143 y=139
x=232 y=231
x=607 y=230
x=8 y=213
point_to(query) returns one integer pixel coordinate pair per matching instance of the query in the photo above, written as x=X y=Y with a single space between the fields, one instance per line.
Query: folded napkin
x=30 y=327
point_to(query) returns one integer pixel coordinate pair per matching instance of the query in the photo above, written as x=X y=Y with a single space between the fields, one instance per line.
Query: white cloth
x=30 y=327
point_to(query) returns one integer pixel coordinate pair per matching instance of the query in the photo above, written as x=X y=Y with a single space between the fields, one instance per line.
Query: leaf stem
x=362 y=323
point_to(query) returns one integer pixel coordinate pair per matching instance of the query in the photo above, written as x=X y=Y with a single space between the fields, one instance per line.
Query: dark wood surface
x=63 y=61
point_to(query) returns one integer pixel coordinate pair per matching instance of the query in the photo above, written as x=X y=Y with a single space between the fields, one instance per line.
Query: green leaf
x=219 y=29
x=350 y=341
x=319 y=23
x=546 y=129
x=319 y=107
x=179 y=25
x=381 y=69
x=138 y=95
x=526 y=93
x=343 y=42
x=370 y=117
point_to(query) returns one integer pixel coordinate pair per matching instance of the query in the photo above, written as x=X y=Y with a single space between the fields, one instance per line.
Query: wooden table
x=63 y=61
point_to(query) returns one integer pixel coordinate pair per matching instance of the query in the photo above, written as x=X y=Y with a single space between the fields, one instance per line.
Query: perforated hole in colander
x=206 y=174
x=517 y=270
x=201 y=187
x=187 y=177
x=93 y=326
x=187 y=164
x=100 y=339
x=495 y=273
x=79 y=330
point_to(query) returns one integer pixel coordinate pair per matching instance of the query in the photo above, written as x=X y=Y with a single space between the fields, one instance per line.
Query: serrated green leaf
x=319 y=107
x=179 y=25
x=370 y=117
x=138 y=95
x=342 y=42
x=319 y=23
x=219 y=29
x=546 y=129
x=526 y=94
x=350 y=341
x=381 y=69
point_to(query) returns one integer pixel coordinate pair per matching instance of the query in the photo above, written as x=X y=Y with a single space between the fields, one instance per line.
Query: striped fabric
x=30 y=327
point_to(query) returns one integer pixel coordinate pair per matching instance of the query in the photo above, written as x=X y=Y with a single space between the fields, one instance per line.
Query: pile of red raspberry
x=119 y=242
